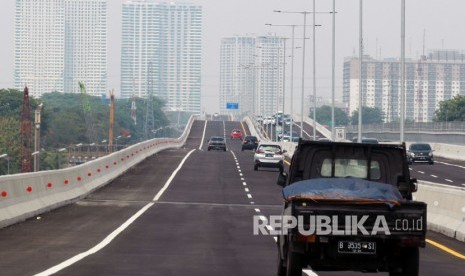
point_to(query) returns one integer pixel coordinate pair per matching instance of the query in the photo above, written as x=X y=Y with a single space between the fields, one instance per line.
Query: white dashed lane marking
x=448 y=180
x=433 y=176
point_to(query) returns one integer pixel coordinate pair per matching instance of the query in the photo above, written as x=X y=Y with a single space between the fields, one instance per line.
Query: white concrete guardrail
x=25 y=195
x=449 y=151
x=446 y=208
x=446 y=204
x=254 y=128
x=321 y=129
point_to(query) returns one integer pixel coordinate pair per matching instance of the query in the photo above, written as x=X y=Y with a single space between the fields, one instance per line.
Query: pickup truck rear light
x=259 y=151
x=307 y=239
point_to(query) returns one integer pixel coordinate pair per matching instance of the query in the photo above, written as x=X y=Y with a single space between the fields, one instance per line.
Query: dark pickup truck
x=348 y=206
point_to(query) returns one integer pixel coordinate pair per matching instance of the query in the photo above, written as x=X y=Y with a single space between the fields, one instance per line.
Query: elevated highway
x=183 y=211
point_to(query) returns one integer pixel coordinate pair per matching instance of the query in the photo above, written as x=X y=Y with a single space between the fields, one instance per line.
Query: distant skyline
x=441 y=20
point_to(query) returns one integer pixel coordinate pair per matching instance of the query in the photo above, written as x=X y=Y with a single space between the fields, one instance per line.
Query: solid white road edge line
x=118 y=230
x=203 y=135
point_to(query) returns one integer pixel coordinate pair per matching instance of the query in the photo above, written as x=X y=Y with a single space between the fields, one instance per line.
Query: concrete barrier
x=446 y=208
x=449 y=151
x=321 y=129
x=25 y=195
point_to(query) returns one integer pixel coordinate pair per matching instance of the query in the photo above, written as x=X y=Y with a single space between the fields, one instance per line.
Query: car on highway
x=236 y=134
x=269 y=121
x=249 y=143
x=217 y=143
x=287 y=121
x=420 y=152
x=269 y=155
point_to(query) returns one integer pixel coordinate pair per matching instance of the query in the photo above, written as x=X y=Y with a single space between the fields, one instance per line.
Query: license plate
x=269 y=155
x=356 y=247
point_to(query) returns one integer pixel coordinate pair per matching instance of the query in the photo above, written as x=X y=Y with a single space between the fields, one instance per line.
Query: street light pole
x=333 y=69
x=8 y=161
x=59 y=156
x=402 y=70
x=314 y=80
x=284 y=89
x=35 y=154
x=116 y=142
x=360 y=63
x=303 y=78
x=37 y=137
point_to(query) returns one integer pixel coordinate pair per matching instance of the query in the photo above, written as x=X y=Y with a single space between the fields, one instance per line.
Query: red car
x=236 y=133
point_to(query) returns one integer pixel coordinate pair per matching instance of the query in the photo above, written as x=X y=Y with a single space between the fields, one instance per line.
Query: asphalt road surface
x=153 y=222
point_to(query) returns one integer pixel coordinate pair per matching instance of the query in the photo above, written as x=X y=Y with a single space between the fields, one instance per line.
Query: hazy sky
x=442 y=20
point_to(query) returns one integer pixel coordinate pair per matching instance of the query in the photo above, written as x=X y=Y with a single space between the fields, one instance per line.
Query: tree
x=370 y=115
x=9 y=144
x=451 y=110
x=323 y=116
x=63 y=123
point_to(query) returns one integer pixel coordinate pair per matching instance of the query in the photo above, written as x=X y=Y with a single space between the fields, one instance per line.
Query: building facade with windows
x=429 y=80
x=251 y=74
x=59 y=43
x=86 y=46
x=39 y=46
x=166 y=39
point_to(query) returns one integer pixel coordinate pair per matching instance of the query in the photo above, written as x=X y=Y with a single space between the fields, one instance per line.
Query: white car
x=269 y=155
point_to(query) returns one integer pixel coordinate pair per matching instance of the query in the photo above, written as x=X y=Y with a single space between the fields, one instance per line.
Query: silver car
x=269 y=155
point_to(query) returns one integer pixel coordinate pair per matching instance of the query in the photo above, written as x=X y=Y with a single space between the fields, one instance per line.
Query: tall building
x=86 y=46
x=251 y=74
x=58 y=43
x=428 y=81
x=39 y=46
x=167 y=38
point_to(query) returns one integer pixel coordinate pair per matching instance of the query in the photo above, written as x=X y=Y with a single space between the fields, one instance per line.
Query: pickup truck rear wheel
x=410 y=260
x=294 y=263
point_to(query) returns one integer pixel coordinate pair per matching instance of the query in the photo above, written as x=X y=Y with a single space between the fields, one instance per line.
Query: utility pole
x=112 y=119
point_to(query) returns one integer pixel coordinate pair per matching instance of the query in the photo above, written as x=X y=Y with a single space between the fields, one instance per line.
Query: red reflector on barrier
x=89 y=174
x=66 y=181
x=79 y=178
x=114 y=163
x=98 y=170
x=49 y=185
x=29 y=189
x=4 y=194
x=106 y=166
